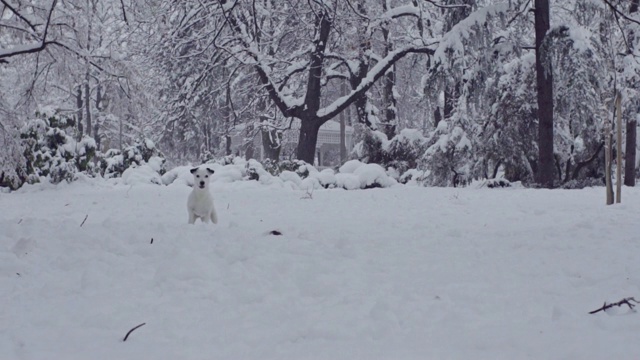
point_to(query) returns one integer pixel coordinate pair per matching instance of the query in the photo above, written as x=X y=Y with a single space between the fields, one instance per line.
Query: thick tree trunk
x=544 y=79
x=630 y=154
x=308 y=139
x=630 y=149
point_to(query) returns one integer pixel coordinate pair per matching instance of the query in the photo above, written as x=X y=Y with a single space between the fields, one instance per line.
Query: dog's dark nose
x=201 y=183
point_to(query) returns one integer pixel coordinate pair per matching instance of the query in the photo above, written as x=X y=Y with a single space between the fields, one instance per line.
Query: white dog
x=200 y=202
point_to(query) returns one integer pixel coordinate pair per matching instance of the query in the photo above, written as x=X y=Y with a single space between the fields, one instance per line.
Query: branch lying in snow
x=85 y=219
x=130 y=331
x=625 y=301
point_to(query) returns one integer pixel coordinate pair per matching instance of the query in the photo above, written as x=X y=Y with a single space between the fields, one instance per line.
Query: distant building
x=327 y=147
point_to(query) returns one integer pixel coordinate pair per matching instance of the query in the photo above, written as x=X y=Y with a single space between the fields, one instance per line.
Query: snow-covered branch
x=375 y=73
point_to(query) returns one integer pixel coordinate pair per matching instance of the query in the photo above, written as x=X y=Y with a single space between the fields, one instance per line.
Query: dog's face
x=201 y=177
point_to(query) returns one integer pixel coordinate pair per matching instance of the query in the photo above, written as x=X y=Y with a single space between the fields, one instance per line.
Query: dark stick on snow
x=130 y=331
x=85 y=219
x=151 y=240
x=625 y=301
x=19 y=221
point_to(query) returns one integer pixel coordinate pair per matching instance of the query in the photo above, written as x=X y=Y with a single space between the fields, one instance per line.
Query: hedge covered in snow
x=301 y=176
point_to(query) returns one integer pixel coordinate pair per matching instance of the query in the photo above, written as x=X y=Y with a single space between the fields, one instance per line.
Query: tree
x=298 y=55
x=544 y=81
x=632 y=124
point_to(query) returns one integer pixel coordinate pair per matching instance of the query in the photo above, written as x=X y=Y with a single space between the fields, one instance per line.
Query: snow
x=399 y=273
x=373 y=174
x=143 y=174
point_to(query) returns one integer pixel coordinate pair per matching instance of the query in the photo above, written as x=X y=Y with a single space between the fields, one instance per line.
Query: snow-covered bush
x=405 y=149
x=412 y=177
x=143 y=174
x=114 y=163
x=497 y=183
x=373 y=148
x=13 y=164
x=583 y=183
x=401 y=153
x=50 y=152
x=448 y=157
x=368 y=175
x=300 y=167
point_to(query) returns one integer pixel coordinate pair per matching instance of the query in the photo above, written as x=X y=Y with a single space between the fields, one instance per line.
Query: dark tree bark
x=631 y=134
x=79 y=103
x=390 y=115
x=343 y=129
x=544 y=79
x=630 y=154
x=308 y=139
x=87 y=103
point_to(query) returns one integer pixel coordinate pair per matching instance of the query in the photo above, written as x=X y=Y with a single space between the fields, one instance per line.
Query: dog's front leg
x=192 y=217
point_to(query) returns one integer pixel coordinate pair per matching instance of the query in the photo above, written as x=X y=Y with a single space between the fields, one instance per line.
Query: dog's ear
x=193 y=171
x=210 y=171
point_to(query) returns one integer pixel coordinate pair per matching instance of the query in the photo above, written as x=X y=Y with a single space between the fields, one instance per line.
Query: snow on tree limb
x=375 y=73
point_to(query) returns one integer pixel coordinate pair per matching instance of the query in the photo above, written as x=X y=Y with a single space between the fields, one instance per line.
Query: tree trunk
x=544 y=80
x=307 y=140
x=343 y=129
x=630 y=149
x=271 y=143
x=227 y=147
x=607 y=160
x=87 y=103
x=79 y=110
x=96 y=126
x=390 y=115
x=630 y=154
x=618 y=147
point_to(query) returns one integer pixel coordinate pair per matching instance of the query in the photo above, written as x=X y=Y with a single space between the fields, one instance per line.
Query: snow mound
x=373 y=175
x=348 y=181
x=143 y=174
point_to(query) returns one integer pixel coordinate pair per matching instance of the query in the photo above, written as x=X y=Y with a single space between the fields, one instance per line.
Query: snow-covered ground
x=396 y=273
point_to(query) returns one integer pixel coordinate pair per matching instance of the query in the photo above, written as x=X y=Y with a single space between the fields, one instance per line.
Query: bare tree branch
x=130 y=331
x=622 y=14
x=124 y=13
x=17 y=13
x=625 y=301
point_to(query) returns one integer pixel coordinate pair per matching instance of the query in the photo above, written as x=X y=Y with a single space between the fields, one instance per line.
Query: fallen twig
x=130 y=331
x=151 y=240
x=85 y=219
x=625 y=301
x=308 y=194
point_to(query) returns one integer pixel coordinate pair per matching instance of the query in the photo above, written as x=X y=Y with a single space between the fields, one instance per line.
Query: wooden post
x=618 y=147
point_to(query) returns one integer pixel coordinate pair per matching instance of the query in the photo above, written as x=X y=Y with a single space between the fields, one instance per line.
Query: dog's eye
x=206 y=176
x=197 y=176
